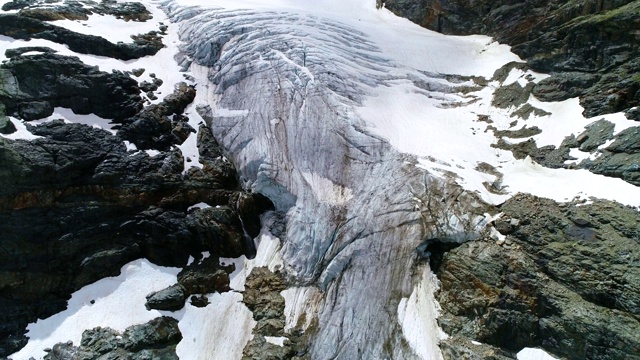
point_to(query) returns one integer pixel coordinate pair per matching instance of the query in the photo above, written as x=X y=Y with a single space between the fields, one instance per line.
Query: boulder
x=169 y=299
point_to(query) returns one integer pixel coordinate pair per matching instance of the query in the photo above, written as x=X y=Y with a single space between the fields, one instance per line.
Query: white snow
x=152 y=153
x=218 y=331
x=22 y=133
x=275 y=340
x=70 y=117
x=221 y=330
x=534 y=354
x=118 y=303
x=199 y=206
x=417 y=315
x=565 y=185
x=108 y=27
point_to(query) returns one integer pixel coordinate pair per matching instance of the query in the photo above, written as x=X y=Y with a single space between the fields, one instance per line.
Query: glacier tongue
x=282 y=89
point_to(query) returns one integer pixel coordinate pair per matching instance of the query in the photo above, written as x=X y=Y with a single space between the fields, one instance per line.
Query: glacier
x=347 y=117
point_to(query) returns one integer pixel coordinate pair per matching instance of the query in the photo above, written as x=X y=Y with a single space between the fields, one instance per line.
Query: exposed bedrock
x=157 y=339
x=589 y=47
x=25 y=28
x=566 y=279
x=30 y=87
x=78 y=10
x=604 y=153
x=76 y=206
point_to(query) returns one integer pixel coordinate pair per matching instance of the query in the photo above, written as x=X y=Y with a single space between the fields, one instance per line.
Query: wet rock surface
x=156 y=339
x=566 y=279
x=589 y=48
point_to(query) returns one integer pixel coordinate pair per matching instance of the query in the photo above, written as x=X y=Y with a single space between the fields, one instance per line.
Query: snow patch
x=279 y=341
x=199 y=206
x=216 y=332
x=417 y=316
x=115 y=302
x=68 y=116
x=21 y=132
x=534 y=354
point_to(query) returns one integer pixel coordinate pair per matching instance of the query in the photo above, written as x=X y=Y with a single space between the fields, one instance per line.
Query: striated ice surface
x=282 y=89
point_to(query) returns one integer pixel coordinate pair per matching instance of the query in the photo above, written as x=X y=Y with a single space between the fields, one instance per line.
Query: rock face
x=78 y=10
x=604 y=153
x=30 y=87
x=76 y=206
x=156 y=339
x=25 y=28
x=262 y=297
x=589 y=48
x=565 y=279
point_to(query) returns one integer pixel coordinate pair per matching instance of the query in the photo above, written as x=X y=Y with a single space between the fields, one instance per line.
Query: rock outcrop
x=78 y=10
x=76 y=206
x=30 y=87
x=565 y=278
x=26 y=28
x=589 y=47
x=262 y=296
x=156 y=340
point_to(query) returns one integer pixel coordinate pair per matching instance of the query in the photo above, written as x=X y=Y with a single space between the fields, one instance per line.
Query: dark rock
x=75 y=207
x=526 y=110
x=6 y=126
x=156 y=339
x=213 y=228
x=160 y=331
x=40 y=82
x=35 y=110
x=11 y=53
x=204 y=278
x=590 y=48
x=26 y=28
x=454 y=348
x=504 y=227
x=170 y=299
x=152 y=128
x=556 y=287
x=199 y=301
x=596 y=134
x=137 y=72
x=258 y=348
x=262 y=297
x=78 y=10
x=511 y=95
